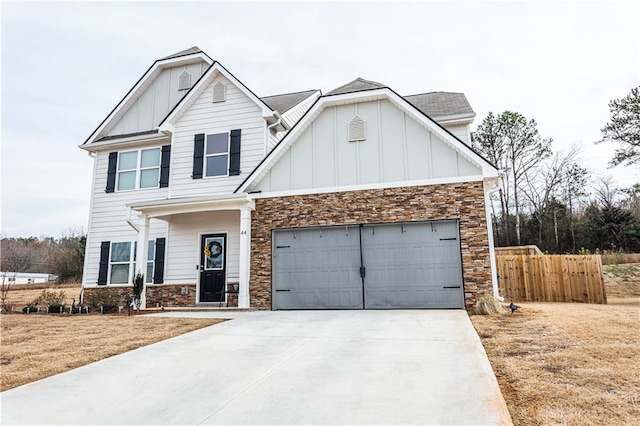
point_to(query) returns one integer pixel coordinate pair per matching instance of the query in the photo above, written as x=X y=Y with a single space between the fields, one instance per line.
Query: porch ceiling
x=175 y=206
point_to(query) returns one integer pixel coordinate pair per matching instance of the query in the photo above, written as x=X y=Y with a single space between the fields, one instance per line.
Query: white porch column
x=245 y=257
x=141 y=255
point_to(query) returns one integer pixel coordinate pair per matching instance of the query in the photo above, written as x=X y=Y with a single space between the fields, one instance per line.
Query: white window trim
x=227 y=153
x=128 y=262
x=132 y=262
x=138 y=169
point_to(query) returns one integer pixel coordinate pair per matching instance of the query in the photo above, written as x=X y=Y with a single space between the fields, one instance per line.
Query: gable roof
x=191 y=55
x=441 y=104
x=364 y=96
x=286 y=101
x=357 y=85
x=200 y=86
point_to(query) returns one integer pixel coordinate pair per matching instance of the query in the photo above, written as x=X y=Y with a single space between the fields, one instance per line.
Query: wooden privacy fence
x=551 y=278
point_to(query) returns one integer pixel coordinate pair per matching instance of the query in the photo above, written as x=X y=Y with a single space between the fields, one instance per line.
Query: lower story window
x=122 y=262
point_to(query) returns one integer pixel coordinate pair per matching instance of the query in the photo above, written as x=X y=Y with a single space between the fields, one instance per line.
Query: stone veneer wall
x=170 y=295
x=463 y=201
x=107 y=293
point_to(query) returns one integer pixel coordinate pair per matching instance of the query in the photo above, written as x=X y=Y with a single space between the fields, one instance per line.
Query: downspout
x=130 y=222
x=492 y=252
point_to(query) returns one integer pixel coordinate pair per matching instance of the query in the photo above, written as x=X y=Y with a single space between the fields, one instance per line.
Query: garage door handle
x=453 y=286
x=284 y=290
x=283 y=246
x=448 y=239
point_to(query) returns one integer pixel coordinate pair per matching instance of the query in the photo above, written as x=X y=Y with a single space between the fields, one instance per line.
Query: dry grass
x=569 y=363
x=21 y=295
x=622 y=280
x=619 y=258
x=37 y=346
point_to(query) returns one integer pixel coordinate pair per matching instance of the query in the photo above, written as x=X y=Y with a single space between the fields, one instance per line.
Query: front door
x=213 y=249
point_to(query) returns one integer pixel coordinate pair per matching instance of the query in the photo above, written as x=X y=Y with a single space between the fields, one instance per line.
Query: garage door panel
x=408 y=265
x=323 y=266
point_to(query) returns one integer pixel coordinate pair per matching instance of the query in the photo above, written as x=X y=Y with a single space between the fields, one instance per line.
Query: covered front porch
x=207 y=250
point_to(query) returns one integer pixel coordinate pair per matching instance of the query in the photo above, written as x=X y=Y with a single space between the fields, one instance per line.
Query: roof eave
x=456 y=119
x=125 y=142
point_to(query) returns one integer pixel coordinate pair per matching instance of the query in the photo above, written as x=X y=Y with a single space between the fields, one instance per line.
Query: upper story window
x=138 y=169
x=143 y=168
x=217 y=155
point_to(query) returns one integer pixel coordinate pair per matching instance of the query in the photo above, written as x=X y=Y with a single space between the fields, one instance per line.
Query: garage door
x=400 y=265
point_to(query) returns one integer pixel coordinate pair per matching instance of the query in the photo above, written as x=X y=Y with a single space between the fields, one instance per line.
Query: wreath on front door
x=209 y=253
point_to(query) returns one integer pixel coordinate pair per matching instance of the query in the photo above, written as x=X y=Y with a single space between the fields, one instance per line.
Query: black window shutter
x=158 y=269
x=104 y=262
x=198 y=154
x=111 y=172
x=164 y=166
x=234 y=153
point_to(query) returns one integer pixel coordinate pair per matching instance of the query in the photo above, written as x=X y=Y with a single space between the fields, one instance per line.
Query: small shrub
x=80 y=309
x=109 y=309
x=96 y=298
x=29 y=309
x=47 y=298
x=55 y=308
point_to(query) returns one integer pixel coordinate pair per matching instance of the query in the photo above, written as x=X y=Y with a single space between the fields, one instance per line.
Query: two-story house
x=355 y=198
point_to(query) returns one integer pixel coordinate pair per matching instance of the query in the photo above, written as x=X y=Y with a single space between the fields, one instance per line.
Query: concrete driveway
x=303 y=367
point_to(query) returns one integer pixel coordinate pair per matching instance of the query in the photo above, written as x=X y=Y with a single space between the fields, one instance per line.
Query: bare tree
x=17 y=255
x=514 y=145
x=542 y=184
x=8 y=280
x=573 y=189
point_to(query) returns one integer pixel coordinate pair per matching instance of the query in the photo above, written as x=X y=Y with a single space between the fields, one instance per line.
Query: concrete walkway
x=303 y=367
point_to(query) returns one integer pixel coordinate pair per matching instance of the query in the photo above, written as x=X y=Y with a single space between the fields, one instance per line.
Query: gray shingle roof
x=357 y=85
x=441 y=104
x=189 y=51
x=286 y=101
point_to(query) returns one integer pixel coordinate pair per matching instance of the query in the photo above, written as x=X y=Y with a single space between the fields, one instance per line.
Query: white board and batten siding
x=183 y=244
x=205 y=116
x=107 y=221
x=396 y=149
x=156 y=101
x=461 y=131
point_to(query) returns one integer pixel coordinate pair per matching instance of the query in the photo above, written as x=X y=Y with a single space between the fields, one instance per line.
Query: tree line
x=62 y=256
x=548 y=198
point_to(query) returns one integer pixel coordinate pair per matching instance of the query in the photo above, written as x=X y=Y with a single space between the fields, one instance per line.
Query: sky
x=64 y=66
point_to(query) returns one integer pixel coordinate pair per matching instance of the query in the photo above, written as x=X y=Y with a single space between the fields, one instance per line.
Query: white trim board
x=364 y=187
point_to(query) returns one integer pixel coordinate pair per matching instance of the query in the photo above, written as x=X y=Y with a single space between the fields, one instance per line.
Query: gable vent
x=219 y=92
x=184 y=81
x=357 y=129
